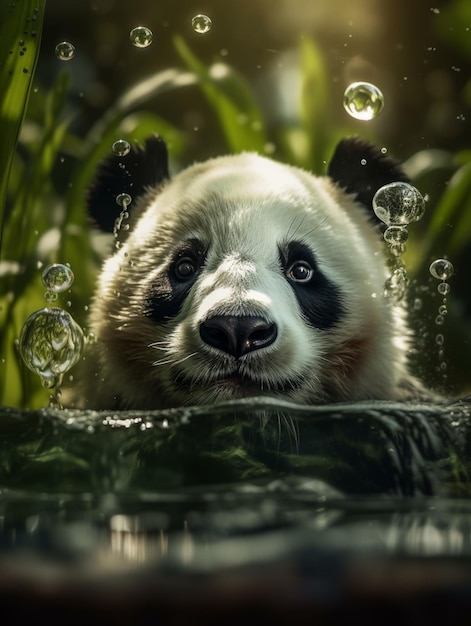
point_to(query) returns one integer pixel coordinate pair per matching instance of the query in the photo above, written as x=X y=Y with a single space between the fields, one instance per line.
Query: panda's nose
x=237 y=334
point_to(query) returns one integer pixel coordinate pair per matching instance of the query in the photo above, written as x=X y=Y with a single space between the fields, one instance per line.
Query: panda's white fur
x=244 y=211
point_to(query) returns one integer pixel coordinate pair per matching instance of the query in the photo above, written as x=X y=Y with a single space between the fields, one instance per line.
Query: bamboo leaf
x=20 y=34
x=230 y=97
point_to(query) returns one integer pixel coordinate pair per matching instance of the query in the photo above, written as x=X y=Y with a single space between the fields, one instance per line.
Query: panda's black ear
x=361 y=168
x=141 y=168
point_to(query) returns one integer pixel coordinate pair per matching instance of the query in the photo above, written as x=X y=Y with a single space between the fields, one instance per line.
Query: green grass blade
x=20 y=34
x=231 y=99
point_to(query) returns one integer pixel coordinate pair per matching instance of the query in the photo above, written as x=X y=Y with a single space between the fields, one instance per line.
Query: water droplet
x=57 y=277
x=65 y=51
x=363 y=101
x=50 y=343
x=398 y=204
x=441 y=269
x=121 y=147
x=141 y=36
x=201 y=24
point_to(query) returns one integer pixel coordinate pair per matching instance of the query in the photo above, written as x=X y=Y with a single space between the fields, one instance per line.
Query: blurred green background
x=268 y=76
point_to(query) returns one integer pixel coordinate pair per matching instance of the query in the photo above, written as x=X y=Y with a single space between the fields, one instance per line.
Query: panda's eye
x=185 y=268
x=300 y=271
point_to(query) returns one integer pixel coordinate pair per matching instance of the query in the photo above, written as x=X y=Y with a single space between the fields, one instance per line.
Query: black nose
x=238 y=335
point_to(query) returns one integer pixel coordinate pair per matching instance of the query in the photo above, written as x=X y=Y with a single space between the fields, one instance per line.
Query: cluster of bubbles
x=51 y=342
x=397 y=205
x=442 y=270
x=123 y=200
x=65 y=51
x=363 y=101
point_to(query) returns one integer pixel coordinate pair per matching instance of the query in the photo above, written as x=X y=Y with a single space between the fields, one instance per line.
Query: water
x=212 y=498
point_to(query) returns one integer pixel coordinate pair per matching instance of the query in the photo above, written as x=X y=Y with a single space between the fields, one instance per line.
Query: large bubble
x=50 y=343
x=398 y=204
x=363 y=101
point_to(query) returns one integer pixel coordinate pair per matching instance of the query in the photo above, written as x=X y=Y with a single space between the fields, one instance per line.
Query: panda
x=242 y=276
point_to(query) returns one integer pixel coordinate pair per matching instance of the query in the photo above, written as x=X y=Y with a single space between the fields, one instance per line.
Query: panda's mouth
x=241 y=385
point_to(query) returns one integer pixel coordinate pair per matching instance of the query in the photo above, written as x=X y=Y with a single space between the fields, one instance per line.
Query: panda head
x=243 y=276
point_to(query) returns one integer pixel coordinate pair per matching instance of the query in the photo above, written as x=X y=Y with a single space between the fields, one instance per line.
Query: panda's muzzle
x=238 y=334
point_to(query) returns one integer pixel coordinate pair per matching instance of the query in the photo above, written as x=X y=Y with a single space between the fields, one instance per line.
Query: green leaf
x=20 y=34
x=231 y=99
x=453 y=209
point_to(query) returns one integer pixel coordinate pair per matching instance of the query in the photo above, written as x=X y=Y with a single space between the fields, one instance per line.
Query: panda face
x=240 y=277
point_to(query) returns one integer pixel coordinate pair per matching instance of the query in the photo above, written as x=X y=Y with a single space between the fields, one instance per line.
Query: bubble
x=124 y=200
x=65 y=51
x=201 y=24
x=57 y=277
x=121 y=147
x=441 y=269
x=363 y=101
x=50 y=343
x=398 y=204
x=443 y=289
x=396 y=234
x=141 y=36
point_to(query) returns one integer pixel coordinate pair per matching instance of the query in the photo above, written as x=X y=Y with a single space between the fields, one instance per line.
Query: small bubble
x=441 y=269
x=363 y=162
x=123 y=199
x=443 y=289
x=396 y=235
x=439 y=340
x=141 y=36
x=363 y=101
x=417 y=304
x=442 y=309
x=65 y=51
x=398 y=204
x=50 y=296
x=384 y=150
x=439 y=320
x=121 y=147
x=57 y=277
x=201 y=24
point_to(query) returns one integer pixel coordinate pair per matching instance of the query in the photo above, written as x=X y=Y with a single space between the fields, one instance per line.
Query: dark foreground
x=255 y=510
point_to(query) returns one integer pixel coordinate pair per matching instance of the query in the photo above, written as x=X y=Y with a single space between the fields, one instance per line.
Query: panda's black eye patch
x=318 y=297
x=169 y=288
